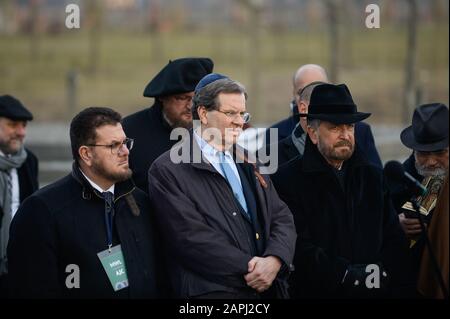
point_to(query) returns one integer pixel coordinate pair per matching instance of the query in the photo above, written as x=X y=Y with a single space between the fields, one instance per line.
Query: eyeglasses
x=116 y=147
x=233 y=115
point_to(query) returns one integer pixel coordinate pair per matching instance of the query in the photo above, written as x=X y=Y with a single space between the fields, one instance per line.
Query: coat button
x=257 y=236
x=234 y=214
x=356 y=282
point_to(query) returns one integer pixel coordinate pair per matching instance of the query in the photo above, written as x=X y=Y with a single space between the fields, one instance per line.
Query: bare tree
x=255 y=8
x=154 y=25
x=410 y=92
x=94 y=13
x=34 y=29
x=333 y=7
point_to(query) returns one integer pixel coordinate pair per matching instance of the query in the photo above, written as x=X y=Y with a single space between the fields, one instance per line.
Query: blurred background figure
x=173 y=89
x=18 y=171
x=58 y=71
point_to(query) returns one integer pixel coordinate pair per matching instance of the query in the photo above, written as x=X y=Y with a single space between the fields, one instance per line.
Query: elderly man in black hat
x=350 y=243
x=18 y=170
x=173 y=89
x=428 y=163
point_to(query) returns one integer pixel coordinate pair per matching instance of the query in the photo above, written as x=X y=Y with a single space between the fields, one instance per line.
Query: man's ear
x=85 y=155
x=302 y=107
x=202 y=114
x=312 y=133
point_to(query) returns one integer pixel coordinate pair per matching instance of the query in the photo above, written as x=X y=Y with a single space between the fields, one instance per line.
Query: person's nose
x=21 y=130
x=124 y=151
x=431 y=161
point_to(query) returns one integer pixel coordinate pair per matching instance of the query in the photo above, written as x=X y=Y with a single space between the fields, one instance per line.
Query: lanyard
x=109 y=214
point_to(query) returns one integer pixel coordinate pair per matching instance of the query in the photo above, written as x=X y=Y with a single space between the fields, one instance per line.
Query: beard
x=116 y=176
x=433 y=172
x=331 y=152
x=12 y=146
x=178 y=120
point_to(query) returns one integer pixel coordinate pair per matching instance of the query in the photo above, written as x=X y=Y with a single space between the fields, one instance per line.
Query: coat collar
x=121 y=188
x=240 y=155
x=410 y=167
x=155 y=113
x=313 y=161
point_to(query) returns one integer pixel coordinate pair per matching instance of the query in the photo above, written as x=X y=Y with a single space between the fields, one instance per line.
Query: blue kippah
x=208 y=79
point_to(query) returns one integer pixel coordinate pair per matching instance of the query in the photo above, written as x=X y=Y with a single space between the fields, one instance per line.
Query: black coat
x=28 y=176
x=63 y=224
x=207 y=242
x=363 y=136
x=151 y=134
x=28 y=184
x=338 y=228
x=401 y=193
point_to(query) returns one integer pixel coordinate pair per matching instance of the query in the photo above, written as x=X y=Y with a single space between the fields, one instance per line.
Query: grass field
x=371 y=63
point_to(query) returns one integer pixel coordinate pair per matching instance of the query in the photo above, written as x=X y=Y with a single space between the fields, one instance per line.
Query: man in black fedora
x=173 y=89
x=18 y=171
x=350 y=243
x=427 y=137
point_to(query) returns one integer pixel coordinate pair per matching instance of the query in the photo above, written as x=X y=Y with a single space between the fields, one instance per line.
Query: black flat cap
x=179 y=76
x=13 y=109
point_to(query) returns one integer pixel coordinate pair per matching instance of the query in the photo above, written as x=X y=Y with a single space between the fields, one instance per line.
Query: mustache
x=344 y=143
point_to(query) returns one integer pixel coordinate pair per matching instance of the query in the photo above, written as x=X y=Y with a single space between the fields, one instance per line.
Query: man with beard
x=18 y=171
x=172 y=89
x=292 y=132
x=88 y=235
x=428 y=138
x=350 y=243
x=226 y=232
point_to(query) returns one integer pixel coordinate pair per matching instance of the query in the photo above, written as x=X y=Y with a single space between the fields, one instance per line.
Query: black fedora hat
x=429 y=129
x=333 y=103
x=179 y=76
x=12 y=108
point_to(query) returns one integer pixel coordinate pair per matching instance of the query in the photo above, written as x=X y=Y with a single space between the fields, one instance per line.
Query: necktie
x=233 y=181
x=109 y=214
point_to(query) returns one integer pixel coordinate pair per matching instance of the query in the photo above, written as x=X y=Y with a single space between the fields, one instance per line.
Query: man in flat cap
x=350 y=243
x=18 y=171
x=427 y=137
x=226 y=232
x=172 y=89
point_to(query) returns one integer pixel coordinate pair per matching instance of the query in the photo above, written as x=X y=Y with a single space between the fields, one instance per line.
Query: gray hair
x=305 y=93
x=313 y=123
x=208 y=95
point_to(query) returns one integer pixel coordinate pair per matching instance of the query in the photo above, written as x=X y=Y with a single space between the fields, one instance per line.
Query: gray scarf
x=7 y=163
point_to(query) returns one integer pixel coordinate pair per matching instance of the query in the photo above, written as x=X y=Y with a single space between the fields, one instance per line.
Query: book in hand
x=427 y=202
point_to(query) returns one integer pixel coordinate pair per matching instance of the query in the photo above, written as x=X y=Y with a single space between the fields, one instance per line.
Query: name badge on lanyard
x=112 y=258
x=114 y=265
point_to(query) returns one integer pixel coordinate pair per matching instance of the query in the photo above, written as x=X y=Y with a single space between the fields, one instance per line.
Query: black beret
x=11 y=108
x=179 y=76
